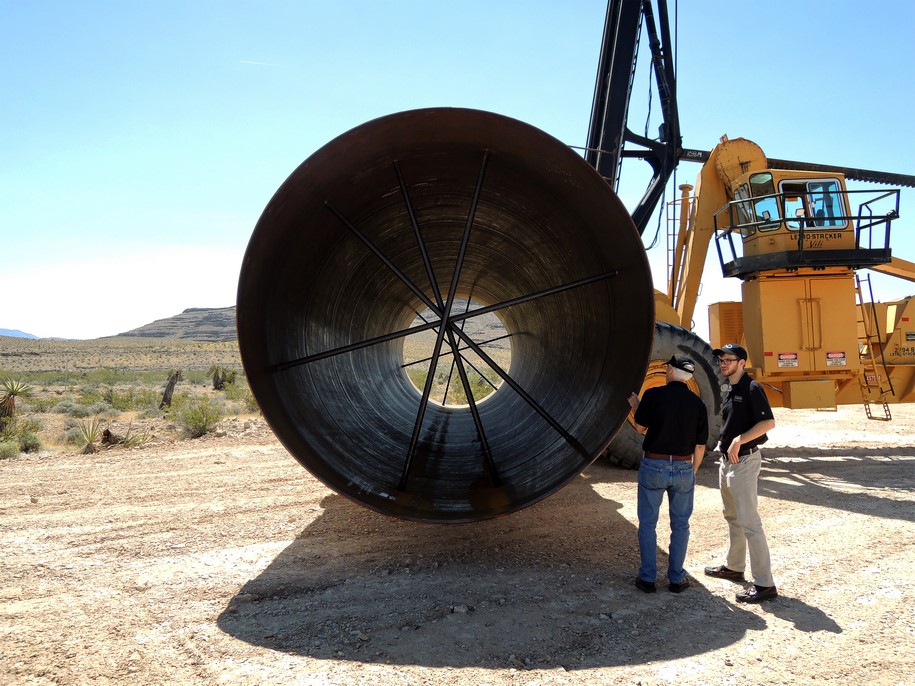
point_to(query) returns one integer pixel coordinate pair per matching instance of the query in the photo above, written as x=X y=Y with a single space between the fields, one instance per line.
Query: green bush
x=72 y=409
x=239 y=391
x=9 y=449
x=72 y=436
x=197 y=416
x=22 y=432
x=29 y=442
x=132 y=398
x=28 y=424
x=41 y=404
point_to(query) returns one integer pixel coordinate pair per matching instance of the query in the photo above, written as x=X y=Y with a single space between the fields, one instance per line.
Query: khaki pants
x=738 y=494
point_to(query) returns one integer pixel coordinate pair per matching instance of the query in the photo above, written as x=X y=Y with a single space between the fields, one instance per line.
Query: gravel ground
x=222 y=561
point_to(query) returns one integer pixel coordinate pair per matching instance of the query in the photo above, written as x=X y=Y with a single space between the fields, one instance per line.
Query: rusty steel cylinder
x=388 y=231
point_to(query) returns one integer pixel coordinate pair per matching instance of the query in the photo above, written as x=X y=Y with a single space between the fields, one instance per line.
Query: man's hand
x=734 y=450
x=633 y=401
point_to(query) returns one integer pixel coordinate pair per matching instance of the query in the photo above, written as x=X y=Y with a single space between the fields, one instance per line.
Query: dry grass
x=121 y=379
x=28 y=356
x=117 y=382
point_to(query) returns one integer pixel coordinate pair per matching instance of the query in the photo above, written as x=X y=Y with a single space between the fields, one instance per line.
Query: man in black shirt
x=746 y=417
x=675 y=423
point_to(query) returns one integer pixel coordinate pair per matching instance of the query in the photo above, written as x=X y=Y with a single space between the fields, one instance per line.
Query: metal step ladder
x=873 y=392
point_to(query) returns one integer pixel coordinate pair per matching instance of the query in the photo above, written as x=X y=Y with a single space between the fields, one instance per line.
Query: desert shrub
x=41 y=404
x=23 y=432
x=251 y=403
x=150 y=412
x=72 y=435
x=240 y=391
x=9 y=449
x=133 y=398
x=221 y=376
x=68 y=407
x=29 y=442
x=91 y=396
x=28 y=424
x=197 y=416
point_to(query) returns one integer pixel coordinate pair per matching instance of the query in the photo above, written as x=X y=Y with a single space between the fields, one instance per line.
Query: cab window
x=744 y=209
x=814 y=203
x=765 y=205
x=826 y=202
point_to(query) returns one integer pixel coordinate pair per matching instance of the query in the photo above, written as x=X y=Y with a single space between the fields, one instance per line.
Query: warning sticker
x=910 y=335
x=787 y=360
x=836 y=359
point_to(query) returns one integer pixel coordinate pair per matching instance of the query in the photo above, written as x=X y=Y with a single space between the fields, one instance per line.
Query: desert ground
x=222 y=561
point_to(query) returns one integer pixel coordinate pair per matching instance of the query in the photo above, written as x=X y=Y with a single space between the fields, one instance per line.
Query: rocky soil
x=222 y=561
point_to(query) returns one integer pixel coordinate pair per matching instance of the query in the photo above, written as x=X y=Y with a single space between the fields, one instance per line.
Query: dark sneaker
x=755 y=594
x=646 y=586
x=722 y=572
x=680 y=587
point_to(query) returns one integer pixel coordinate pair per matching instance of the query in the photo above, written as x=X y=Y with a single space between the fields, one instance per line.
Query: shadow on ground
x=547 y=587
x=857 y=480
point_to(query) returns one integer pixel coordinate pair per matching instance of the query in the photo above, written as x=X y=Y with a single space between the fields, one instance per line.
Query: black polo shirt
x=676 y=418
x=745 y=405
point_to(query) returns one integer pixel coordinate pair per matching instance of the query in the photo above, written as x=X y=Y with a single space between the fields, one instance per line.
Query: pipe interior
x=543 y=218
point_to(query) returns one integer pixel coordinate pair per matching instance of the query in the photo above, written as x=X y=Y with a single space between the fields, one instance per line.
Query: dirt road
x=222 y=561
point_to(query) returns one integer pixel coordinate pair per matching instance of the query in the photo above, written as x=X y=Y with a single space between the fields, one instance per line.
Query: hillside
x=194 y=324
x=16 y=333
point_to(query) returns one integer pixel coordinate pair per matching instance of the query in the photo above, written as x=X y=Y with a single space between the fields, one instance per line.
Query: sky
x=140 y=141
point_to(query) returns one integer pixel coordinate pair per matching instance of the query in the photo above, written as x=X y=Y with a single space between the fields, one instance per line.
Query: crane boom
x=853 y=173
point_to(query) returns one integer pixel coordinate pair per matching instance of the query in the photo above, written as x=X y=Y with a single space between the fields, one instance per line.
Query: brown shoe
x=755 y=594
x=722 y=572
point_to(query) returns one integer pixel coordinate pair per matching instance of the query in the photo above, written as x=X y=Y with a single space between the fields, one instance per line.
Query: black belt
x=745 y=453
x=659 y=456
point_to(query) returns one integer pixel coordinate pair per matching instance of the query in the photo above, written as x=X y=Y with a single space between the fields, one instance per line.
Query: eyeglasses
x=727 y=360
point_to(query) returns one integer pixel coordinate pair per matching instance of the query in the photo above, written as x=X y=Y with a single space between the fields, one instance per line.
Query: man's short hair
x=680 y=374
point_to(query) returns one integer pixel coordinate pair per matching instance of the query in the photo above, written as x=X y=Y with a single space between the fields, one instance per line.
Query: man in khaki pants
x=746 y=417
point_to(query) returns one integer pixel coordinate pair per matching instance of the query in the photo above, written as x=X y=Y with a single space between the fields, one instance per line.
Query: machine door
x=801 y=324
x=833 y=330
x=787 y=335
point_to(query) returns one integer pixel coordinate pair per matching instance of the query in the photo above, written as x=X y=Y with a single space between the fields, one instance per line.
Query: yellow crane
x=797 y=239
x=791 y=231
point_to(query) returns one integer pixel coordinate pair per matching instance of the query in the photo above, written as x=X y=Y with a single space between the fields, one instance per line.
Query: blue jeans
x=676 y=478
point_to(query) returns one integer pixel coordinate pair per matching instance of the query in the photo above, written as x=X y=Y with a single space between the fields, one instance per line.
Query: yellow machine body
x=797 y=241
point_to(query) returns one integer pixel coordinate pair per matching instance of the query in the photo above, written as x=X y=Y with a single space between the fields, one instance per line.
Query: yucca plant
x=129 y=440
x=89 y=432
x=11 y=390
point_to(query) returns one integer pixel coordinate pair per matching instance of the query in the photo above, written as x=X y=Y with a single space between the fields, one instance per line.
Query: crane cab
x=790 y=220
x=795 y=239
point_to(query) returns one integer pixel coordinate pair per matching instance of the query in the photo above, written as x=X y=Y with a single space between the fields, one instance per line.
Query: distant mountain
x=16 y=333
x=194 y=324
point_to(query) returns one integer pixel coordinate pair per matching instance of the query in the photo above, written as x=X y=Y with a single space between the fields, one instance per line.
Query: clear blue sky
x=140 y=141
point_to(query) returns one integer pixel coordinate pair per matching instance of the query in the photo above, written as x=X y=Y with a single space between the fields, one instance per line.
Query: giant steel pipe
x=411 y=213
